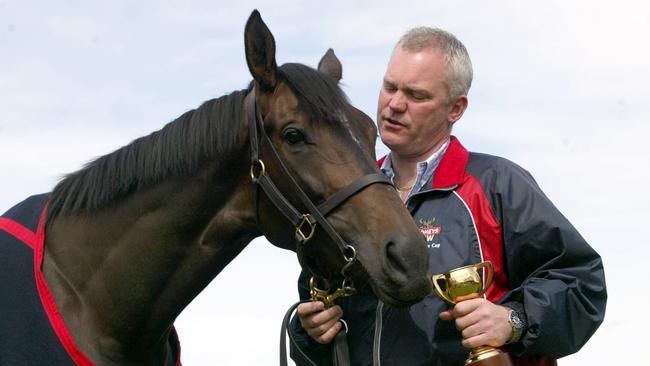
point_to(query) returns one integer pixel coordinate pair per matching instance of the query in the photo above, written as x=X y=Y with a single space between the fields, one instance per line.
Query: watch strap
x=517 y=320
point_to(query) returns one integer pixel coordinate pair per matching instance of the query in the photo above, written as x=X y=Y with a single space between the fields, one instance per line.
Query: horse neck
x=121 y=276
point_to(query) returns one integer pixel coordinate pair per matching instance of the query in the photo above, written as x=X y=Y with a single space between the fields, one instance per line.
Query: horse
x=120 y=247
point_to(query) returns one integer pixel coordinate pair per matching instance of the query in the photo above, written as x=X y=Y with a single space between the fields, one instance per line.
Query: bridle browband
x=304 y=223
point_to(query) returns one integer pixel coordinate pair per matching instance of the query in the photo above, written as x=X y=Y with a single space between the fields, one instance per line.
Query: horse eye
x=293 y=136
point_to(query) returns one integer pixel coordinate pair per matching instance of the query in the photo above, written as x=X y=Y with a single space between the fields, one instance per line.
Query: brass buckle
x=305 y=238
x=328 y=296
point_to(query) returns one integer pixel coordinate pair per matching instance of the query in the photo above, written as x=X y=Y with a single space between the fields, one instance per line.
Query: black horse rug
x=32 y=331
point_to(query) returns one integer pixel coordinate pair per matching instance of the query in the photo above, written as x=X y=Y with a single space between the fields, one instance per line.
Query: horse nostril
x=394 y=259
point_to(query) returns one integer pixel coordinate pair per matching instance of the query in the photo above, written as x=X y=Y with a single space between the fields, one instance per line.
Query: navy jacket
x=32 y=331
x=480 y=207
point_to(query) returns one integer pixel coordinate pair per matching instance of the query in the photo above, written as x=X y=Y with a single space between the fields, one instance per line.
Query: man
x=548 y=295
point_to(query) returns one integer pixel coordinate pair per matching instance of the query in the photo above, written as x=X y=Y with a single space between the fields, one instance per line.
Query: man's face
x=413 y=115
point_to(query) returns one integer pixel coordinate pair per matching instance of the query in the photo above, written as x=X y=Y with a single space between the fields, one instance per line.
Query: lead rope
x=285 y=331
x=340 y=350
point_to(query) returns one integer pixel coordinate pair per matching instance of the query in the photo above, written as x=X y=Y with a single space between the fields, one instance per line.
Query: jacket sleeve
x=552 y=270
x=318 y=353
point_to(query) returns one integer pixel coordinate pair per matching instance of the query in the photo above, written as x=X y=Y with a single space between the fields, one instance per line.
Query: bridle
x=305 y=226
x=304 y=223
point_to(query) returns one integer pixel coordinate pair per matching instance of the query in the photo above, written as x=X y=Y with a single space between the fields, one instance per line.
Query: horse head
x=318 y=146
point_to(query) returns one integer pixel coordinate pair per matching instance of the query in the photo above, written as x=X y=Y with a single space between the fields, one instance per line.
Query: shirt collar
x=425 y=169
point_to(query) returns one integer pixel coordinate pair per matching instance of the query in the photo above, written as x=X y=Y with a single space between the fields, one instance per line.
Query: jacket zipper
x=376 y=347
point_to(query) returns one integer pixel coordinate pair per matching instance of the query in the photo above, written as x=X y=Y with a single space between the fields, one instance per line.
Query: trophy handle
x=439 y=291
x=487 y=266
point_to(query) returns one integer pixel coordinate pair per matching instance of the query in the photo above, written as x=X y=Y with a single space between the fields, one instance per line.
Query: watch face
x=515 y=320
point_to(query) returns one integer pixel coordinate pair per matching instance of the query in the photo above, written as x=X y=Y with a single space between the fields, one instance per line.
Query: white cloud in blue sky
x=560 y=88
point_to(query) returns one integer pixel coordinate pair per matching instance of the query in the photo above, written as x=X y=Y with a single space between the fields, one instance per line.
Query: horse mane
x=175 y=150
x=181 y=146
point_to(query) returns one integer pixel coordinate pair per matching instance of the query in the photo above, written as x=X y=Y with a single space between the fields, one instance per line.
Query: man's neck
x=405 y=165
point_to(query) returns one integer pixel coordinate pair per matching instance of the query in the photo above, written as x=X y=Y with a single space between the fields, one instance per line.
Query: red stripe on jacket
x=489 y=232
x=451 y=172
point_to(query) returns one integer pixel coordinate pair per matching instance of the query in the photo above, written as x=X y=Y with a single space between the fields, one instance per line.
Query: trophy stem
x=488 y=356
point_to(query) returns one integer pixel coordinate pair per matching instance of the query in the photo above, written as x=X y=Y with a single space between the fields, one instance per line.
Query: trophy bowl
x=463 y=283
x=470 y=282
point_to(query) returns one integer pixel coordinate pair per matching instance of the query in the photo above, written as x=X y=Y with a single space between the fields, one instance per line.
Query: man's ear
x=457 y=109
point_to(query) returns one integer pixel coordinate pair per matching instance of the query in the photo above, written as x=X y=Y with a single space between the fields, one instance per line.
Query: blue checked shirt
x=425 y=168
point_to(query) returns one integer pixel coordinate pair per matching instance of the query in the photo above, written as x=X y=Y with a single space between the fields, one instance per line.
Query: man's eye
x=293 y=136
x=390 y=88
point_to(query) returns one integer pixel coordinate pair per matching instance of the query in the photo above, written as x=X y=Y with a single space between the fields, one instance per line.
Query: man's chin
x=392 y=141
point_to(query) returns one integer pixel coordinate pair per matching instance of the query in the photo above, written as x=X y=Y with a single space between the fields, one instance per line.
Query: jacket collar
x=451 y=169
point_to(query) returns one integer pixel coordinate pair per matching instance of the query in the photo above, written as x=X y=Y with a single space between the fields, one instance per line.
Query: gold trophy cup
x=466 y=283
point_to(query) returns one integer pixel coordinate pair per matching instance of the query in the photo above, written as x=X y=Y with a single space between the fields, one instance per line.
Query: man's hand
x=320 y=323
x=481 y=322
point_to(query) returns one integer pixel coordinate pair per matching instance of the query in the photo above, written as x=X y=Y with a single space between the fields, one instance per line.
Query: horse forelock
x=318 y=95
x=178 y=149
x=322 y=98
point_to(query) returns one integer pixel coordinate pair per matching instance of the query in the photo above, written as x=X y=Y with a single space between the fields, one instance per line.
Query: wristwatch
x=518 y=323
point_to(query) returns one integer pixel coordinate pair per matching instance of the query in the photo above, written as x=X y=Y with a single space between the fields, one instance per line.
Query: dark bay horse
x=129 y=240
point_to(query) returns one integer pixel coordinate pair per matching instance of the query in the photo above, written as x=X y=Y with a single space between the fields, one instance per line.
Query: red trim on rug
x=16 y=229
x=178 y=346
x=48 y=300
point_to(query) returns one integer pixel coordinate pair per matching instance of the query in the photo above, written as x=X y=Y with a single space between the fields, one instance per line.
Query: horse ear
x=260 y=51
x=330 y=65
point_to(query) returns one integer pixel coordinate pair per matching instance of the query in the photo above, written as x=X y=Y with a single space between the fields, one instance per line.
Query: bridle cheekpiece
x=304 y=223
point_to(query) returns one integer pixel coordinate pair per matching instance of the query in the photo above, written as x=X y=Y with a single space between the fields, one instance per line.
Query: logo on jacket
x=428 y=230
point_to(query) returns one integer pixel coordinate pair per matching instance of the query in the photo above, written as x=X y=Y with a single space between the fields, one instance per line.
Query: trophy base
x=488 y=356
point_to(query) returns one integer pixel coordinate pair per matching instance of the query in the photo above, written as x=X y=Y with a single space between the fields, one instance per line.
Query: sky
x=559 y=87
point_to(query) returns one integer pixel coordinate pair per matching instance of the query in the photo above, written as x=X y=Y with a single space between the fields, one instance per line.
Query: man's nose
x=398 y=102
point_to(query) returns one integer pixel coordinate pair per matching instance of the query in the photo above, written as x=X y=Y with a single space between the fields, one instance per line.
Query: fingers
x=468 y=315
x=482 y=339
x=467 y=307
x=320 y=323
x=446 y=315
x=328 y=335
x=480 y=322
x=307 y=308
x=459 y=310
